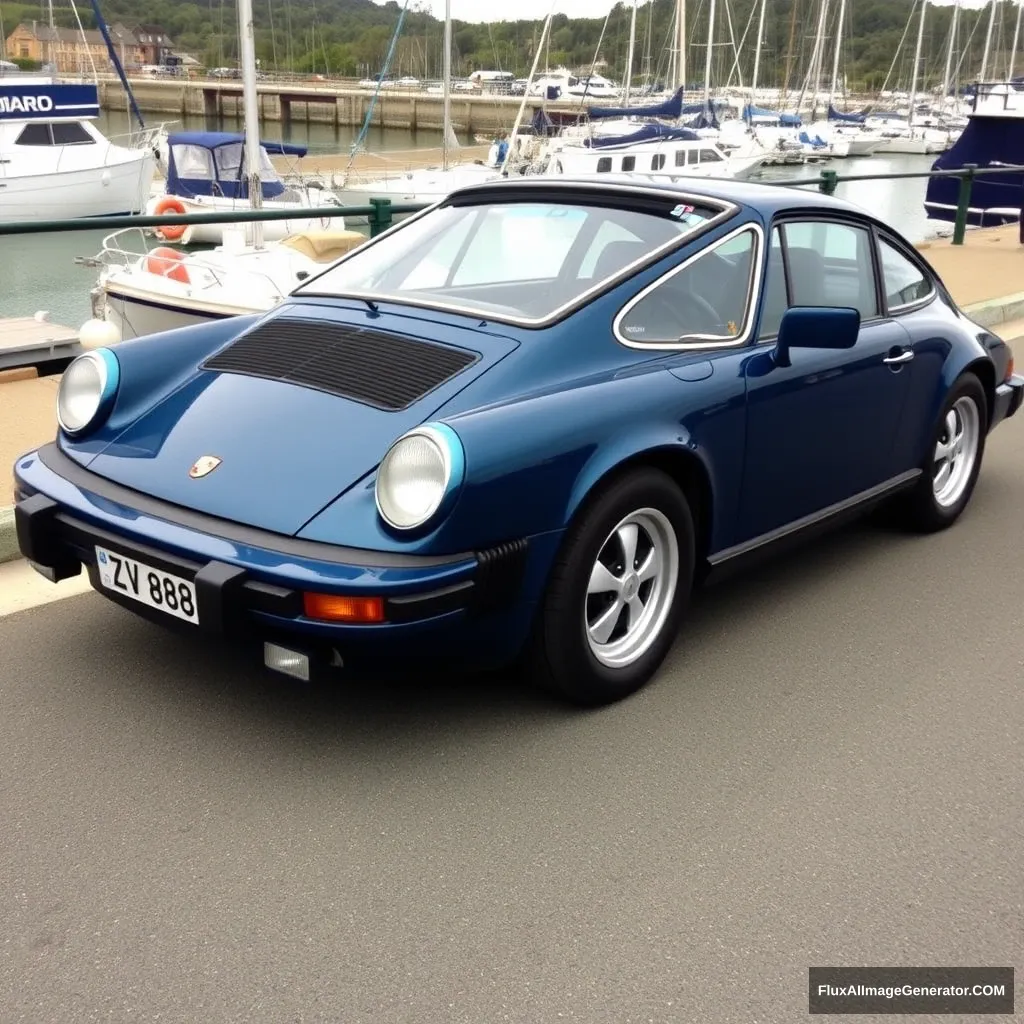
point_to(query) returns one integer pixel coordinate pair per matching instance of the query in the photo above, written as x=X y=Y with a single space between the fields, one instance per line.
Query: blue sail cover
x=648 y=133
x=215 y=165
x=787 y=120
x=670 y=110
x=986 y=142
x=838 y=115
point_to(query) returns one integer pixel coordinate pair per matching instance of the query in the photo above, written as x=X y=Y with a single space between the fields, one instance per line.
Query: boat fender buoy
x=168 y=263
x=171 y=232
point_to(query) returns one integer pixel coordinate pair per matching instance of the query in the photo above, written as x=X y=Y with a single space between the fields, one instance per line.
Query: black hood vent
x=383 y=370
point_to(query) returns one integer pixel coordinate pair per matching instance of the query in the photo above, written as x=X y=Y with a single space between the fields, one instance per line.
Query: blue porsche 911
x=527 y=422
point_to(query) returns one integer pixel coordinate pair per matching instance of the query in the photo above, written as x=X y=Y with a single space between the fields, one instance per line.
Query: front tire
x=951 y=467
x=617 y=591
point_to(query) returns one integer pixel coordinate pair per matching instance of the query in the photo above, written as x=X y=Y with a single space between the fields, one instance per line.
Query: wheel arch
x=682 y=464
x=985 y=372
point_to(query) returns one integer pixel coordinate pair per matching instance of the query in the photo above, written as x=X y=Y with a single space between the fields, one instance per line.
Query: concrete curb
x=8 y=537
x=987 y=314
x=994 y=312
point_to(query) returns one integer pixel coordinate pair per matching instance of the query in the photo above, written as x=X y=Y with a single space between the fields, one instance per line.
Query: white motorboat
x=206 y=172
x=142 y=292
x=653 y=150
x=55 y=163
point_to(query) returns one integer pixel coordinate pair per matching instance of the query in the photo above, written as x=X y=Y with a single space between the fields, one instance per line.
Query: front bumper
x=467 y=607
x=1009 y=398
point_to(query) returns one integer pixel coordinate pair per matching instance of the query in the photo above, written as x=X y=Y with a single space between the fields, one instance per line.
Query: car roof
x=766 y=199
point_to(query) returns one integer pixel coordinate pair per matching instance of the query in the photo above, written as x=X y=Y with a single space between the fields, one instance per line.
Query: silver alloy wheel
x=956 y=452
x=631 y=588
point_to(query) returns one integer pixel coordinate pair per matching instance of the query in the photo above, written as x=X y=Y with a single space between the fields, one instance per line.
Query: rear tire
x=617 y=592
x=951 y=467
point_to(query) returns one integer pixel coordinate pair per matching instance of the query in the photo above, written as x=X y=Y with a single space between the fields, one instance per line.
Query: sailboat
x=140 y=293
x=905 y=136
x=428 y=184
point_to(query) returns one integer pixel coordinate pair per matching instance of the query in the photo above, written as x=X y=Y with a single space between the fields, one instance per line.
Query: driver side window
x=707 y=300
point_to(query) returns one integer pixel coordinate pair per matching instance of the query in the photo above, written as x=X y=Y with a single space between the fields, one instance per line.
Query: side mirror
x=824 y=327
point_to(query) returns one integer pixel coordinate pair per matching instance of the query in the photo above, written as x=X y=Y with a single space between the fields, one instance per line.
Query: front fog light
x=290 y=663
x=419 y=471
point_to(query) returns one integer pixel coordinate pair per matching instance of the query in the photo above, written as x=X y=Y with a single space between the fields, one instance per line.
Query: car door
x=821 y=431
x=912 y=298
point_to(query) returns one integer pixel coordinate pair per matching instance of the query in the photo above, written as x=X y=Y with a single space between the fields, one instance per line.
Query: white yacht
x=55 y=163
x=142 y=292
x=651 y=151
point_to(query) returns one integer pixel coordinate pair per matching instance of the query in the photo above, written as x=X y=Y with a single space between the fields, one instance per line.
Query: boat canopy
x=838 y=115
x=213 y=164
x=788 y=120
x=647 y=133
x=669 y=109
x=986 y=142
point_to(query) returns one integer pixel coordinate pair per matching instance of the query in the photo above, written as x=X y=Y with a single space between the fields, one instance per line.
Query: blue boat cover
x=212 y=164
x=838 y=115
x=788 y=120
x=986 y=142
x=647 y=133
x=669 y=109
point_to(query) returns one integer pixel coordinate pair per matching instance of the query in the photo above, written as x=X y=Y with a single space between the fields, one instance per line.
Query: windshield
x=510 y=260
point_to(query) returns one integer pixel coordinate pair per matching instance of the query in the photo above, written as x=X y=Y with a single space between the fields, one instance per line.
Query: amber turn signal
x=342 y=608
x=1009 y=368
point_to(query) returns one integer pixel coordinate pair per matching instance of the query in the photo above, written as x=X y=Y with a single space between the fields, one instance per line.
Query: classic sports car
x=527 y=420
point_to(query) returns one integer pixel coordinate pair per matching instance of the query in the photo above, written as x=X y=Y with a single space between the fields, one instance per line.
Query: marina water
x=39 y=272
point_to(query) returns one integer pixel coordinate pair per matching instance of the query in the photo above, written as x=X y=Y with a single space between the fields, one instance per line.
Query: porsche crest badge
x=203 y=466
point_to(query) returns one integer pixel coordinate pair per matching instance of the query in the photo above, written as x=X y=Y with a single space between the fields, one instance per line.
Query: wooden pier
x=34 y=341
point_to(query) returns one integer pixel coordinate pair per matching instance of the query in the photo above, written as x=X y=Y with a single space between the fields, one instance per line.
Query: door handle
x=903 y=357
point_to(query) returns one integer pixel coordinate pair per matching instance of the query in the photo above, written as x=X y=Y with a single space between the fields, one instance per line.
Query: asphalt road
x=828 y=772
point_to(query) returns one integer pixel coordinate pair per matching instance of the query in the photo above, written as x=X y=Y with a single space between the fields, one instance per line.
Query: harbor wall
x=316 y=104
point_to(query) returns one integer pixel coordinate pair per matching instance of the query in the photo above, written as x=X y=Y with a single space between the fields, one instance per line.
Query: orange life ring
x=167 y=263
x=171 y=232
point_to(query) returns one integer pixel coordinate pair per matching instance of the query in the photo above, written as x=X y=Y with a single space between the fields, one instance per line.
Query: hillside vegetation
x=352 y=37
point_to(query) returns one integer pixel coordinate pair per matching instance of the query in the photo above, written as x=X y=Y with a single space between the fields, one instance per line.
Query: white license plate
x=151 y=587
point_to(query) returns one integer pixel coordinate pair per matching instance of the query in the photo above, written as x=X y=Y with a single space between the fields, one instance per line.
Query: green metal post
x=380 y=219
x=829 y=182
x=962 y=203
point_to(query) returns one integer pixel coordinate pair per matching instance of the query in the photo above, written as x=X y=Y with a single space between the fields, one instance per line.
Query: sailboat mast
x=247 y=53
x=835 y=56
x=757 y=52
x=917 y=62
x=1016 y=41
x=947 y=74
x=707 y=59
x=446 y=75
x=533 y=71
x=629 y=59
x=988 y=39
x=681 y=43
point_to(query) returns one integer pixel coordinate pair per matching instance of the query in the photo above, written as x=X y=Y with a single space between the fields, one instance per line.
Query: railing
x=380 y=213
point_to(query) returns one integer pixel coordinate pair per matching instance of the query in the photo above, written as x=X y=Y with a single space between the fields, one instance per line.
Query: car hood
x=287 y=449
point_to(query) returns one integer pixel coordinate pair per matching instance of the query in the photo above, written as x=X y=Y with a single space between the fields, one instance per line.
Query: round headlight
x=86 y=387
x=419 y=471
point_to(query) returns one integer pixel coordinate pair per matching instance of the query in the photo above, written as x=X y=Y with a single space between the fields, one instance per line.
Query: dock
x=986 y=271
x=34 y=341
